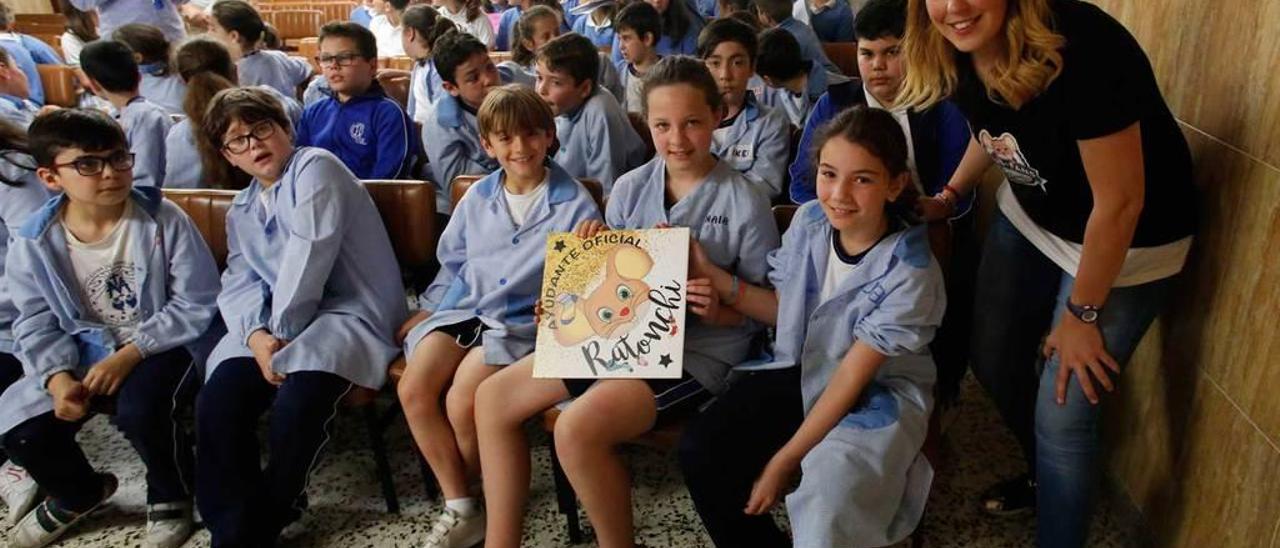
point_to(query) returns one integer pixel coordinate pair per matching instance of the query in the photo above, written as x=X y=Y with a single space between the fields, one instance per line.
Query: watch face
x=1089 y=316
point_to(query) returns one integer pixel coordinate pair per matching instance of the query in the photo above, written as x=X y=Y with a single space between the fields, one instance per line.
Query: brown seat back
x=61 y=87
x=295 y=24
x=844 y=55
x=408 y=209
x=208 y=209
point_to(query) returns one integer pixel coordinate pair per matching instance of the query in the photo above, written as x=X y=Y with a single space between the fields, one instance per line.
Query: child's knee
x=460 y=404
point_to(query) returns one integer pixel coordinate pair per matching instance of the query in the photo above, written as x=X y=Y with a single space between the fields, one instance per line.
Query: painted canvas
x=613 y=305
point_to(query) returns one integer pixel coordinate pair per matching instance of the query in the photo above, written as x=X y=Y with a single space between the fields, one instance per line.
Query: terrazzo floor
x=347 y=507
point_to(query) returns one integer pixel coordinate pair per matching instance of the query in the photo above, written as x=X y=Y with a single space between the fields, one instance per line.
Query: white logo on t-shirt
x=1005 y=153
x=357 y=133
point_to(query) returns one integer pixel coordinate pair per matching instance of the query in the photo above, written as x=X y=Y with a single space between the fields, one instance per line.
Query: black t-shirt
x=1106 y=85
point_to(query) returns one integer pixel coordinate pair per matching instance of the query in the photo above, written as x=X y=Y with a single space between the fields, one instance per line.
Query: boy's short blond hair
x=515 y=109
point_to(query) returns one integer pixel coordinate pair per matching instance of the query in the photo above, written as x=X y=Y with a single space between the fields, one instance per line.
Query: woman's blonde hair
x=1031 y=62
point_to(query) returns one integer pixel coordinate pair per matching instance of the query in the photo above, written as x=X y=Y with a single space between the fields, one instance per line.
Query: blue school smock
x=177 y=291
x=795 y=106
x=16 y=203
x=686 y=45
x=275 y=69
x=425 y=87
x=811 y=50
x=182 y=165
x=360 y=16
x=733 y=223
x=165 y=90
x=17 y=111
x=866 y=482
x=146 y=125
x=314 y=268
x=834 y=23
x=112 y=14
x=600 y=36
x=607 y=78
x=597 y=141
x=452 y=139
x=756 y=145
x=506 y=28
x=491 y=269
x=27 y=52
x=369 y=132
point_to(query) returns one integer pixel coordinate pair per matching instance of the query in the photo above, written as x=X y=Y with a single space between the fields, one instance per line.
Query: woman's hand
x=1080 y=352
x=932 y=208
x=589 y=228
x=767 y=490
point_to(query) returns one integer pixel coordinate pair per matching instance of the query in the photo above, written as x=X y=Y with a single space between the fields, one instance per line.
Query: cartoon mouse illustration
x=611 y=308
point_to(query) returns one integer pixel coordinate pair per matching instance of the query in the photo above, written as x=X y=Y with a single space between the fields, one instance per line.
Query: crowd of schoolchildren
x=818 y=352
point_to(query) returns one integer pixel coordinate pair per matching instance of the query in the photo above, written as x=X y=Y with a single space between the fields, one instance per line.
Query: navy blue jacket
x=370 y=133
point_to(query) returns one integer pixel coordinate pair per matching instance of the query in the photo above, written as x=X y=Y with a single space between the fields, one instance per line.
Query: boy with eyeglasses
x=356 y=121
x=116 y=294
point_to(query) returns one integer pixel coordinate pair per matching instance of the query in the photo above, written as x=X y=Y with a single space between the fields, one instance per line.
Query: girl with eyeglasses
x=312 y=298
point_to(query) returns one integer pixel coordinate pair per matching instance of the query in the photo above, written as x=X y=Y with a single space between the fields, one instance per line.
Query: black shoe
x=1010 y=497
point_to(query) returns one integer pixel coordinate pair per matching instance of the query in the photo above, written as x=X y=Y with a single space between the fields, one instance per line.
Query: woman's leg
x=587 y=435
x=504 y=402
x=1067 y=435
x=430 y=369
x=1013 y=309
x=460 y=404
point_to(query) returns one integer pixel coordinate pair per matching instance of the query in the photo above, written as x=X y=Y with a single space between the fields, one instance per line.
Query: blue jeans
x=1021 y=295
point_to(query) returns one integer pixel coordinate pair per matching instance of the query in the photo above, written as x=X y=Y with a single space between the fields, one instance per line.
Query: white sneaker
x=169 y=525
x=48 y=521
x=18 y=490
x=451 y=530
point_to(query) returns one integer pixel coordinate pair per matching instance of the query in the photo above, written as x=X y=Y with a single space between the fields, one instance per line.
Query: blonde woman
x=1095 y=220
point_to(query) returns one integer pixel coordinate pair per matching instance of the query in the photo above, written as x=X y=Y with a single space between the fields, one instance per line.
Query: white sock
x=465 y=507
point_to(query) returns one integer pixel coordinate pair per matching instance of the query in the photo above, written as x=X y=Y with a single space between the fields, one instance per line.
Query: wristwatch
x=1086 y=313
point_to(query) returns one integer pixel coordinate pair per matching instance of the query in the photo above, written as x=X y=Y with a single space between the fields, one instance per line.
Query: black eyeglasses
x=339 y=60
x=89 y=166
x=260 y=131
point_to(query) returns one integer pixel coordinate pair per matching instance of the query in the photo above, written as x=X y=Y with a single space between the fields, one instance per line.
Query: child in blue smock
x=116 y=297
x=732 y=225
x=21 y=193
x=753 y=139
x=422 y=26
x=537 y=26
x=597 y=140
x=113 y=76
x=846 y=394
x=16 y=106
x=639 y=26
x=160 y=84
x=477 y=316
x=239 y=26
x=680 y=28
x=596 y=23
x=26 y=52
x=451 y=133
x=311 y=297
x=206 y=67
